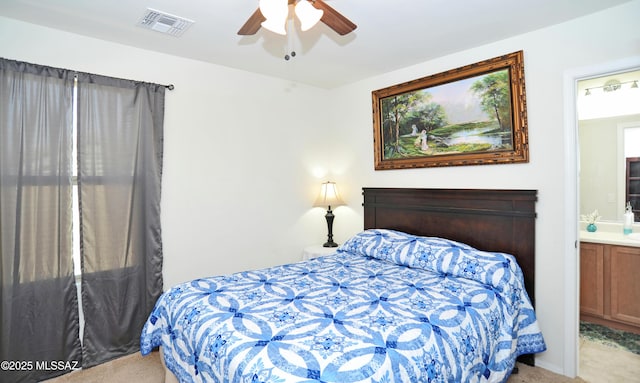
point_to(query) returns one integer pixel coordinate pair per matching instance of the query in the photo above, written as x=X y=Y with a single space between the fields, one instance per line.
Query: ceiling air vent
x=164 y=22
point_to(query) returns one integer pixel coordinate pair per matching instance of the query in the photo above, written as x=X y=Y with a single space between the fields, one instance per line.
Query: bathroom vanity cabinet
x=610 y=285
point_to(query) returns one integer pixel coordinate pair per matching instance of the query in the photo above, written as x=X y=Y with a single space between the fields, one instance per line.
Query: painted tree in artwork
x=428 y=116
x=394 y=111
x=493 y=90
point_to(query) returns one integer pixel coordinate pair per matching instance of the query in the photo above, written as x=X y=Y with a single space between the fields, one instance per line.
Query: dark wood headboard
x=490 y=220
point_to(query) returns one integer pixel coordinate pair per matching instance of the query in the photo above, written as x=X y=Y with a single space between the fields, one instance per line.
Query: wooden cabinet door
x=592 y=279
x=625 y=284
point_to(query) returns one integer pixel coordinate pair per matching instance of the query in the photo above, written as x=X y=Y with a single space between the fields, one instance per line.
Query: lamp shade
x=275 y=13
x=308 y=14
x=328 y=196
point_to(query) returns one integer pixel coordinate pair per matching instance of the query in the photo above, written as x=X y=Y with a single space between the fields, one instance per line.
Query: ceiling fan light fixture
x=307 y=14
x=275 y=12
x=275 y=26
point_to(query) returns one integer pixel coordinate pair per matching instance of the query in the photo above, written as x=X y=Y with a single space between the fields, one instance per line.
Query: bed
x=439 y=286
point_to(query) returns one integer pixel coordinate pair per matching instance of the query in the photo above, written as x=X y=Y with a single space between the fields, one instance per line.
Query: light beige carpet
x=601 y=363
x=148 y=369
x=132 y=368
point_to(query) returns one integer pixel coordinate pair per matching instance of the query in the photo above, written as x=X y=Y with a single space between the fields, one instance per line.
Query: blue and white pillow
x=439 y=255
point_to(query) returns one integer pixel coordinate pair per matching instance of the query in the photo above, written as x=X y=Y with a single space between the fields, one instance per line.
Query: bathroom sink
x=634 y=236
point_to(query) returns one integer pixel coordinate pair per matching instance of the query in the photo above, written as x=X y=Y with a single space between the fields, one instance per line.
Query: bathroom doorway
x=608 y=114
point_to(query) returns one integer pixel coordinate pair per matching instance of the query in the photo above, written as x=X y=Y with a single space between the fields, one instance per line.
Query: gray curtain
x=120 y=140
x=39 y=308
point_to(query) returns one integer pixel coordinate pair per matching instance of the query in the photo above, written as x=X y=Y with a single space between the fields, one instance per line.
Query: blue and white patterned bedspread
x=388 y=307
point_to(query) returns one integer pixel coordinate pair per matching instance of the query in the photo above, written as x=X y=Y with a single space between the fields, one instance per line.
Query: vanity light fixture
x=612 y=86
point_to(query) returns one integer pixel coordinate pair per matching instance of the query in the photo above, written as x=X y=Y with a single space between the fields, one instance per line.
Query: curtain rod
x=169 y=86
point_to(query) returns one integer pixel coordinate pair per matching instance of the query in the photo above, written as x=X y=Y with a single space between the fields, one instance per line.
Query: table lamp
x=329 y=197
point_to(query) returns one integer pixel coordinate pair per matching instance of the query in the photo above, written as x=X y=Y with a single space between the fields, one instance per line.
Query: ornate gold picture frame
x=473 y=115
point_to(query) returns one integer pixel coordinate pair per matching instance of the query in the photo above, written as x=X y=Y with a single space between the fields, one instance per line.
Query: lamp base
x=329 y=216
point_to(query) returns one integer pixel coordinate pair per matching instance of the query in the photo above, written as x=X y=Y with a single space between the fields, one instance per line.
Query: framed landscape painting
x=473 y=115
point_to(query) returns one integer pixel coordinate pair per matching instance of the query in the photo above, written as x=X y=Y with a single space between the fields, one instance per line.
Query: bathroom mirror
x=608 y=132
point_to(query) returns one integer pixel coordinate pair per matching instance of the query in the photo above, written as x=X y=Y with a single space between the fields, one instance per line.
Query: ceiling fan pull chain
x=290 y=48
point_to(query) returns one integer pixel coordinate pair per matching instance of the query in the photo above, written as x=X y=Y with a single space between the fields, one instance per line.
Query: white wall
x=548 y=53
x=240 y=158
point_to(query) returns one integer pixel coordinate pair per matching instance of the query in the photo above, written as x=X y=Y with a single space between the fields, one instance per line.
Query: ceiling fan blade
x=334 y=19
x=253 y=24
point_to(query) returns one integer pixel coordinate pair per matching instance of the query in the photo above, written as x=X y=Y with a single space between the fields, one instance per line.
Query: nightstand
x=313 y=251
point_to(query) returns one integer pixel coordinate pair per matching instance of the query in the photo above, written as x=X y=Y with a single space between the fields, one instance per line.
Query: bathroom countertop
x=611 y=238
x=611 y=233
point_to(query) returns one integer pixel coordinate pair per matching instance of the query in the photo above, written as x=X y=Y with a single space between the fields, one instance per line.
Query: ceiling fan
x=332 y=18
